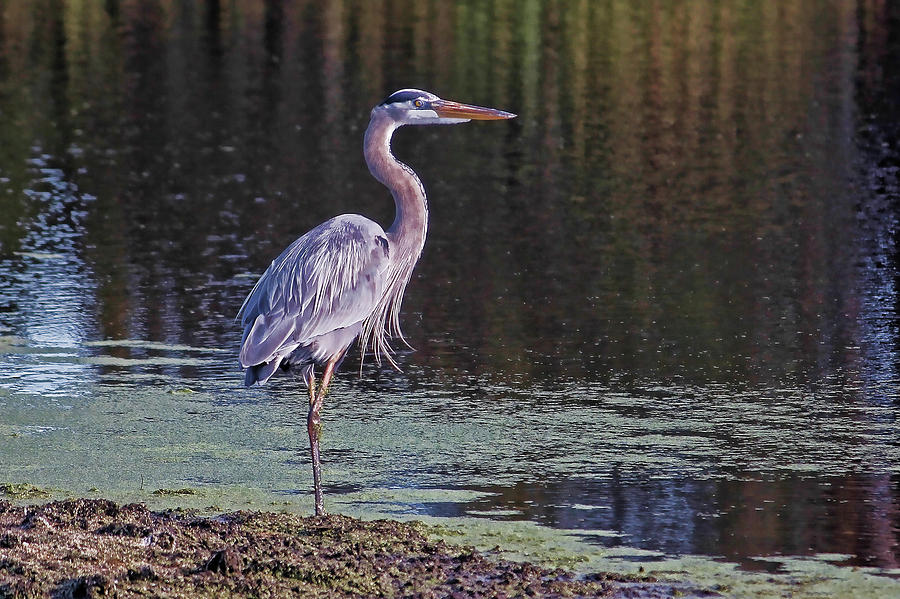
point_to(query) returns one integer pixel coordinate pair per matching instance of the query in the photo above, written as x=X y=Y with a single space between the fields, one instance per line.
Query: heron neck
x=411 y=222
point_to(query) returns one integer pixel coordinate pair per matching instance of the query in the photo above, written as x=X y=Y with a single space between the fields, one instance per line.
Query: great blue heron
x=345 y=278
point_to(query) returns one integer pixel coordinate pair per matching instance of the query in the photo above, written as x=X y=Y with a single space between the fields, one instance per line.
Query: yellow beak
x=455 y=110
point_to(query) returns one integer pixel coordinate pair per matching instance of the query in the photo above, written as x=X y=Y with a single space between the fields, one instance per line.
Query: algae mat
x=96 y=548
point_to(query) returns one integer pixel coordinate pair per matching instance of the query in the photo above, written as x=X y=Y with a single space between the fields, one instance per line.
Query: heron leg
x=326 y=376
x=314 y=426
x=312 y=386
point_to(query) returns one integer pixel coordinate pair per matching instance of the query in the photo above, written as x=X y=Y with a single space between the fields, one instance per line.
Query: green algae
x=813 y=577
x=181 y=391
x=24 y=491
x=128 y=435
x=154 y=345
x=41 y=255
x=175 y=492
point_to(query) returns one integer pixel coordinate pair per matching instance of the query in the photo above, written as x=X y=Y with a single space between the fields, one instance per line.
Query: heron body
x=344 y=280
x=311 y=302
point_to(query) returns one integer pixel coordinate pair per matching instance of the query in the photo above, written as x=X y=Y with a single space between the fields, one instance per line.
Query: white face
x=413 y=107
x=426 y=116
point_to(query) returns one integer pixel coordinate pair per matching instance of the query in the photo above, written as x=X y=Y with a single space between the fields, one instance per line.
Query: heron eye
x=419 y=103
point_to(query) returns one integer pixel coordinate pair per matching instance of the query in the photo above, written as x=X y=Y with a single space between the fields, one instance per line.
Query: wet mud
x=96 y=548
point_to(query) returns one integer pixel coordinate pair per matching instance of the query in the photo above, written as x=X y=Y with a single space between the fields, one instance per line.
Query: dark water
x=663 y=301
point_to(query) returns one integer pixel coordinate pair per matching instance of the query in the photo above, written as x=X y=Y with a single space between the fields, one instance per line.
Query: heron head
x=417 y=107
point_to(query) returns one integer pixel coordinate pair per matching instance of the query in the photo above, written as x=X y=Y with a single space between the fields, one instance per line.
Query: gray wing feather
x=330 y=278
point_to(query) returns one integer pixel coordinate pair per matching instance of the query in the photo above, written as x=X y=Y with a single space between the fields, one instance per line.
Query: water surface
x=660 y=306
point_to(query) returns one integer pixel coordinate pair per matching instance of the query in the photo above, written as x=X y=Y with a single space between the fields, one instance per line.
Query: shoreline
x=64 y=546
x=97 y=548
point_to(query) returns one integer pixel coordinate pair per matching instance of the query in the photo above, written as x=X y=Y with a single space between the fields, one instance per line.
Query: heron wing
x=329 y=279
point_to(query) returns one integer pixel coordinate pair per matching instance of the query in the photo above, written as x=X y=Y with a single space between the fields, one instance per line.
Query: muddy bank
x=96 y=548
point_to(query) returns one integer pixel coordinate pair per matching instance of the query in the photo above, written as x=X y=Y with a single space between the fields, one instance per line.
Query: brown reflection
x=659 y=147
x=738 y=520
x=670 y=202
x=370 y=48
x=333 y=68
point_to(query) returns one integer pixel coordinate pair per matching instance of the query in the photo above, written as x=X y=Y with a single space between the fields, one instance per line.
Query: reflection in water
x=666 y=305
x=737 y=519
